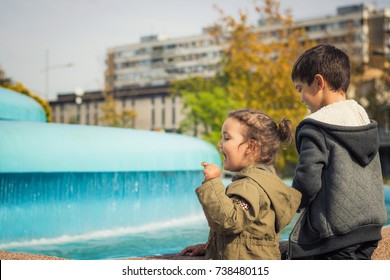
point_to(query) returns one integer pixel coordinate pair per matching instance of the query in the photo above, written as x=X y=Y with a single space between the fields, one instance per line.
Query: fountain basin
x=68 y=184
x=49 y=147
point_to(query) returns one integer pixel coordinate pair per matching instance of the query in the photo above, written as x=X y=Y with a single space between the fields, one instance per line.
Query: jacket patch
x=242 y=202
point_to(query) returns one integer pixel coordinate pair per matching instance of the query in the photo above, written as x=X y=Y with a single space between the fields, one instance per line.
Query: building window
x=174 y=112
x=133 y=103
x=54 y=113
x=62 y=117
x=163 y=112
x=87 y=113
x=133 y=108
x=153 y=114
x=96 y=113
x=78 y=113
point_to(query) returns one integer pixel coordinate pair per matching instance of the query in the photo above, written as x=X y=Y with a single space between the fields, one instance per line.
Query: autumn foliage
x=255 y=72
x=114 y=117
x=19 y=87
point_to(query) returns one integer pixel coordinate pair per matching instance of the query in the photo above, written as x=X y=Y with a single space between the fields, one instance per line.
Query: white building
x=138 y=74
x=156 y=61
x=360 y=30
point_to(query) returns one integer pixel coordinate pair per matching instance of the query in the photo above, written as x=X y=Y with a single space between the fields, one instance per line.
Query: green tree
x=206 y=105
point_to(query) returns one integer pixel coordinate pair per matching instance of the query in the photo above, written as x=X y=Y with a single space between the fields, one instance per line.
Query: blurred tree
x=3 y=78
x=205 y=106
x=369 y=85
x=255 y=72
x=257 y=65
x=372 y=90
x=111 y=115
x=19 y=87
x=114 y=117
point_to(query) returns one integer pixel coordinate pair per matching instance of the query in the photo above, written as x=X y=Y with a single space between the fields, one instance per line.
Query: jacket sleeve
x=229 y=211
x=313 y=158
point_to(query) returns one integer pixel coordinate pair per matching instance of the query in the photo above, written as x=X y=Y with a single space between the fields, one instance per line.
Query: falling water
x=64 y=187
x=48 y=211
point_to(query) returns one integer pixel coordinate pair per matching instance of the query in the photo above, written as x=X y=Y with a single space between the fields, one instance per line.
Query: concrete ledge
x=381 y=253
x=383 y=250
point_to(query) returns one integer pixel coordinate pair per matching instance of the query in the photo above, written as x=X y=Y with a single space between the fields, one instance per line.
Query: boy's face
x=311 y=95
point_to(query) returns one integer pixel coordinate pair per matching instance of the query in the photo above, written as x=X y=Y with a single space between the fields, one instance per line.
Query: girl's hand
x=196 y=250
x=211 y=171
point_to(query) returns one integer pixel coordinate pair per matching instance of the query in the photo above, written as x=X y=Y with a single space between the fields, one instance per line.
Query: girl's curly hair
x=268 y=135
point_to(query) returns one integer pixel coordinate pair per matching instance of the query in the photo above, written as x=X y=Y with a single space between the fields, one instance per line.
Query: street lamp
x=47 y=70
x=79 y=92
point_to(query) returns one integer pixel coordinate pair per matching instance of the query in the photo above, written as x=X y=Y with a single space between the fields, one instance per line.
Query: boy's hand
x=211 y=171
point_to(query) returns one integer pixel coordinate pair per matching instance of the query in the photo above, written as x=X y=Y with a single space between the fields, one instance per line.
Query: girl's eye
x=298 y=88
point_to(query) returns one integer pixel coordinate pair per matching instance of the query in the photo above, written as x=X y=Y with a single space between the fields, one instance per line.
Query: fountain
x=85 y=192
x=64 y=184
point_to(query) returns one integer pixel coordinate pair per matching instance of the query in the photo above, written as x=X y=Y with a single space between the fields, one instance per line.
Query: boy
x=339 y=172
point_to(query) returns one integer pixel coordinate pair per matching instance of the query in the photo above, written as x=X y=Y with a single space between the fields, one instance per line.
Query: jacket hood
x=344 y=113
x=347 y=123
x=362 y=142
x=284 y=199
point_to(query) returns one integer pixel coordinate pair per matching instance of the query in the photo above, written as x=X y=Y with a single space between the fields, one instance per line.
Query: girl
x=246 y=218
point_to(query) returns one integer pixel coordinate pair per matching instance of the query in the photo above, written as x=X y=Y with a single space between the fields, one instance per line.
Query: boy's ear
x=320 y=81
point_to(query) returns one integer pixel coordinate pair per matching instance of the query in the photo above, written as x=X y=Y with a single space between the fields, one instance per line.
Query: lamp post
x=47 y=70
x=79 y=92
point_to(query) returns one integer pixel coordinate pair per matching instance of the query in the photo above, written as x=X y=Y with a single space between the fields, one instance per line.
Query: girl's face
x=233 y=146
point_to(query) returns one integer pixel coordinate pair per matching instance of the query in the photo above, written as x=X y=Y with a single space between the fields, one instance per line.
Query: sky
x=71 y=38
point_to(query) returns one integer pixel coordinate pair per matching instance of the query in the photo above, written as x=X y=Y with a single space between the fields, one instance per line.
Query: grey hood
x=347 y=123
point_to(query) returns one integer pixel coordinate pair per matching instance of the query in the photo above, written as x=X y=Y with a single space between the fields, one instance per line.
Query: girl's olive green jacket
x=246 y=218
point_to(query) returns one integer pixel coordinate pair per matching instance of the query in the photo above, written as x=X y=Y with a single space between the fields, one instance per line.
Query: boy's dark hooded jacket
x=339 y=176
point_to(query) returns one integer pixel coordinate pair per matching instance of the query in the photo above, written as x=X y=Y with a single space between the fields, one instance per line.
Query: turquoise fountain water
x=72 y=190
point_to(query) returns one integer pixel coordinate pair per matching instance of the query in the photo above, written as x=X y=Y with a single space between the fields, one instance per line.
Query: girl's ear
x=252 y=146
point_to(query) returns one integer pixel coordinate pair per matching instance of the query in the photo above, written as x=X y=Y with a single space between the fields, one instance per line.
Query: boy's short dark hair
x=326 y=60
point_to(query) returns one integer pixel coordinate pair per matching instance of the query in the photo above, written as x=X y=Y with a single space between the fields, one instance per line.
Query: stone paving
x=381 y=253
